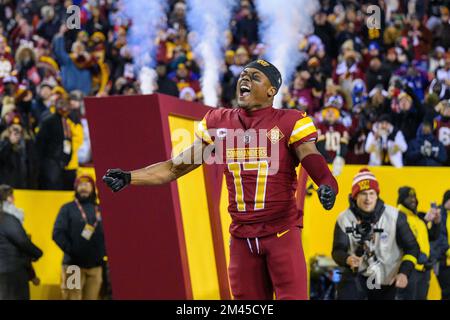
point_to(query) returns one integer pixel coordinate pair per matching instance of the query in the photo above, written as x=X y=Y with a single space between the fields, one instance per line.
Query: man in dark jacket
x=377 y=74
x=426 y=149
x=78 y=231
x=373 y=243
x=18 y=157
x=166 y=85
x=441 y=248
x=16 y=253
x=54 y=146
x=425 y=227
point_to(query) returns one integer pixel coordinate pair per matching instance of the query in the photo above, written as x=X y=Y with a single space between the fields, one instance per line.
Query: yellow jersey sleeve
x=304 y=130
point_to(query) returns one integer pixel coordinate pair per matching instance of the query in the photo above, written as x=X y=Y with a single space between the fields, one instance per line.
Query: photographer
x=18 y=157
x=374 y=244
x=425 y=227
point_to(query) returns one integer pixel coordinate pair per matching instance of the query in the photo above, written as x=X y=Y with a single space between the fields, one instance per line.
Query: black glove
x=327 y=196
x=117 y=179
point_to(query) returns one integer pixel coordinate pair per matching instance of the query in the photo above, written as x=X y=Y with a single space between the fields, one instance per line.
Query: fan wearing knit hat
x=365 y=181
x=373 y=243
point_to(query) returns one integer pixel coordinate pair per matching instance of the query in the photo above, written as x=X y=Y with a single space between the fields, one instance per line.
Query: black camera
x=363 y=232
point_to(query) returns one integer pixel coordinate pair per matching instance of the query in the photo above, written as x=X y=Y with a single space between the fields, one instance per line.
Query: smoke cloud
x=209 y=20
x=148 y=17
x=281 y=29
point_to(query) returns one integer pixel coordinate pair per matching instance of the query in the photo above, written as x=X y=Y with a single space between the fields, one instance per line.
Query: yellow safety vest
x=420 y=231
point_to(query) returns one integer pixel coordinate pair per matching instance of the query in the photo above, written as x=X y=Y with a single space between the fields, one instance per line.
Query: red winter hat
x=364 y=180
x=84 y=178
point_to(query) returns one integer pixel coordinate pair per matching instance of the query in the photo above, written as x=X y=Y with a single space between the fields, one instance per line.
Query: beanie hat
x=271 y=72
x=403 y=193
x=364 y=180
x=84 y=178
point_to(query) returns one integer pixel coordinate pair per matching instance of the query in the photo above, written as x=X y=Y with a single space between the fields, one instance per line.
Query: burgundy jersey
x=333 y=135
x=442 y=129
x=356 y=147
x=258 y=150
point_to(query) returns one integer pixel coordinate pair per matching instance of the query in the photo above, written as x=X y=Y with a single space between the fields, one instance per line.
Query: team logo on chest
x=275 y=135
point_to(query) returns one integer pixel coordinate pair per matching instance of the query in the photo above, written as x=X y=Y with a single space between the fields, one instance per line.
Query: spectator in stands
x=76 y=138
x=443 y=73
x=18 y=157
x=246 y=25
x=6 y=61
x=442 y=126
x=27 y=71
x=177 y=18
x=49 y=26
x=55 y=146
x=184 y=77
x=241 y=58
x=165 y=85
x=425 y=227
x=385 y=143
x=75 y=73
x=408 y=116
x=78 y=231
x=383 y=261
x=187 y=94
x=348 y=70
x=442 y=248
x=436 y=60
x=16 y=255
x=79 y=115
x=441 y=34
x=418 y=36
x=333 y=138
x=42 y=102
x=377 y=74
x=426 y=150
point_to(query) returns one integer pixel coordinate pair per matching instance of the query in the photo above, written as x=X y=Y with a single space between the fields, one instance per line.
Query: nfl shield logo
x=247 y=139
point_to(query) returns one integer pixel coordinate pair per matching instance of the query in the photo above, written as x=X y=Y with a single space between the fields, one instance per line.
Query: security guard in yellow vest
x=425 y=228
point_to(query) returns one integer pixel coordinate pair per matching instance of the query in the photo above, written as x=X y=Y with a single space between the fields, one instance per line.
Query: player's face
x=253 y=89
x=367 y=200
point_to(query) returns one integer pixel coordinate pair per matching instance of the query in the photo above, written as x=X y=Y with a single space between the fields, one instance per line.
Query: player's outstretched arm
x=158 y=173
x=317 y=168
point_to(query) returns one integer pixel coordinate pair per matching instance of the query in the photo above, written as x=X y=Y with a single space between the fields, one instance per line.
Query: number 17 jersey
x=258 y=152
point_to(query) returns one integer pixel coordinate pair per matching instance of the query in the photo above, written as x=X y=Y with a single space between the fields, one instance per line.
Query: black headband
x=269 y=70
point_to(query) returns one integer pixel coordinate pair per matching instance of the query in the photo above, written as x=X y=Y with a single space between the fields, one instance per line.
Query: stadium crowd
x=378 y=96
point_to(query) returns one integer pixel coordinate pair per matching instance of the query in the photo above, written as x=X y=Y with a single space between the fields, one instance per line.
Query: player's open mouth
x=244 y=90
